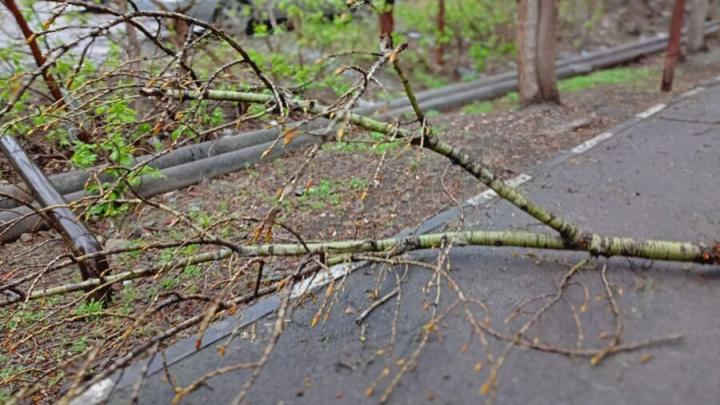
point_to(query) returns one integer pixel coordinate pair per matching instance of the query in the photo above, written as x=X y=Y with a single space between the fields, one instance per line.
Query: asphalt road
x=655 y=178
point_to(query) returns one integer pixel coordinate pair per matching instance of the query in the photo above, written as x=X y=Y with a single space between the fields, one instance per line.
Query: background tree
x=536 y=44
x=387 y=23
x=440 y=47
x=696 y=25
x=673 y=48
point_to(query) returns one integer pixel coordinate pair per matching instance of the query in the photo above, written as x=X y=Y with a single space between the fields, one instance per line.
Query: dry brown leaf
x=289 y=135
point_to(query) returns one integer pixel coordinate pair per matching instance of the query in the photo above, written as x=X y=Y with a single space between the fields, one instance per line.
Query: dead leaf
x=289 y=135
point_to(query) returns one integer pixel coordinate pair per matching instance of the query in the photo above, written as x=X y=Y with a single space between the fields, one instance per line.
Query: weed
x=622 y=75
x=357 y=183
x=320 y=195
x=18 y=319
x=192 y=272
x=89 y=308
x=79 y=345
x=478 y=107
x=129 y=295
x=168 y=283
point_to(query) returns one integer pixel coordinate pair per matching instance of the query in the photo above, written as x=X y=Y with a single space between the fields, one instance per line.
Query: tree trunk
x=37 y=54
x=527 y=29
x=546 y=51
x=673 y=49
x=696 y=26
x=387 y=24
x=440 y=45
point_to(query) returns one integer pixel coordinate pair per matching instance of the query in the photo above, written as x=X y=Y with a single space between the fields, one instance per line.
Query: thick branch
x=598 y=246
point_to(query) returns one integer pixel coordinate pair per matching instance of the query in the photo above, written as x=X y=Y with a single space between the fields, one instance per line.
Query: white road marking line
x=591 y=143
x=340 y=270
x=322 y=278
x=96 y=394
x=100 y=391
x=488 y=195
x=693 y=92
x=651 y=111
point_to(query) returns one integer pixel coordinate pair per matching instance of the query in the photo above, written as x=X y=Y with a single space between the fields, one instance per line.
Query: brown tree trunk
x=37 y=54
x=546 y=51
x=696 y=26
x=387 y=24
x=527 y=30
x=440 y=46
x=673 y=49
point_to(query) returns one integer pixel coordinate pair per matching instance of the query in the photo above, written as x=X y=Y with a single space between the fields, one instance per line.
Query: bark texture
x=37 y=54
x=537 y=50
x=673 y=49
x=387 y=23
x=696 y=25
x=528 y=12
x=547 y=51
x=599 y=246
x=440 y=46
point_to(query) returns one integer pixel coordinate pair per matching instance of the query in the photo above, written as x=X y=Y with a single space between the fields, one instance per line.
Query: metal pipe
x=76 y=235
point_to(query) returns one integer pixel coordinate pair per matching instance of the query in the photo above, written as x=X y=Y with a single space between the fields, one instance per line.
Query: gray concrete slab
x=656 y=179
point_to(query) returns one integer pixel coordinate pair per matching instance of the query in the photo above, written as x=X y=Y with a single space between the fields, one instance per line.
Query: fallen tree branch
x=609 y=246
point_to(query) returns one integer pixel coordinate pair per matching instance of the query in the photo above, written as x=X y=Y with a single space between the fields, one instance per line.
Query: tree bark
x=387 y=24
x=610 y=246
x=527 y=30
x=673 y=49
x=696 y=26
x=440 y=46
x=546 y=51
x=37 y=54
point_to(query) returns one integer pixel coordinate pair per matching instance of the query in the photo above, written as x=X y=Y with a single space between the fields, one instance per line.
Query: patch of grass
x=169 y=283
x=192 y=272
x=622 y=75
x=19 y=318
x=478 y=107
x=511 y=98
x=128 y=297
x=357 y=183
x=318 y=196
x=79 y=345
x=7 y=372
x=636 y=77
x=428 y=80
x=89 y=308
x=373 y=147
